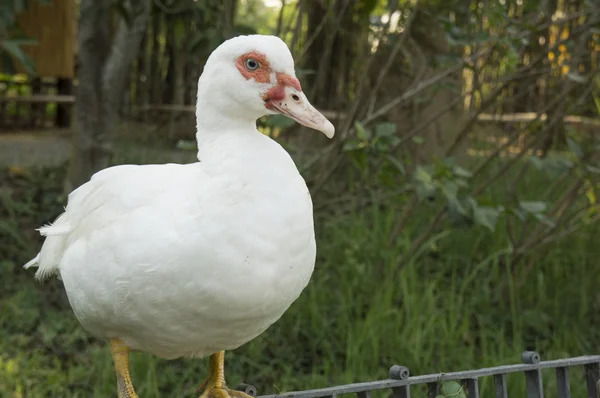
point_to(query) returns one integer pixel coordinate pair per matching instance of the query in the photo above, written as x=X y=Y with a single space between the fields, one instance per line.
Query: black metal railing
x=400 y=381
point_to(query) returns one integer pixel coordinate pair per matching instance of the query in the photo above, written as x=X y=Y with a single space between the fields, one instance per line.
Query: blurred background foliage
x=456 y=209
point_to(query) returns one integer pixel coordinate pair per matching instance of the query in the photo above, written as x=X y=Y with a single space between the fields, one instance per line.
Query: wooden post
x=18 y=106
x=3 y=113
x=36 y=111
x=64 y=112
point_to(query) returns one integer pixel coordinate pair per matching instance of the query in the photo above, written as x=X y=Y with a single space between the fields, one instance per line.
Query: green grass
x=451 y=309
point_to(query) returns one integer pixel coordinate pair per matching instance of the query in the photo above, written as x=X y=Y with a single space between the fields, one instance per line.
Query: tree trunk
x=179 y=59
x=168 y=84
x=141 y=77
x=102 y=77
x=334 y=39
x=228 y=17
x=155 y=59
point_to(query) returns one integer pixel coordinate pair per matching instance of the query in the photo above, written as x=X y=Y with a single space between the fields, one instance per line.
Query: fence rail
x=35 y=103
x=400 y=381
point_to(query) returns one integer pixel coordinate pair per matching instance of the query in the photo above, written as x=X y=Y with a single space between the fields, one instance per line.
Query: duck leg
x=214 y=386
x=120 y=354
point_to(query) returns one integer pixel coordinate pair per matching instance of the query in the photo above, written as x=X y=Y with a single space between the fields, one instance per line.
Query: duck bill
x=294 y=104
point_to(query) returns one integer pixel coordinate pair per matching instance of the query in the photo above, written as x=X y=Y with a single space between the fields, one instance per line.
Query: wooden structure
x=44 y=100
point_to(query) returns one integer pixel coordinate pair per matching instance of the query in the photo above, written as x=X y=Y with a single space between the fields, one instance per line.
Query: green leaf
x=575 y=148
x=545 y=219
x=24 y=41
x=461 y=183
x=422 y=175
x=597 y=103
x=593 y=169
x=553 y=166
x=399 y=166
x=7 y=65
x=418 y=139
x=450 y=190
x=460 y=172
x=353 y=145
x=14 y=50
x=279 y=121
x=425 y=187
x=361 y=132
x=187 y=145
x=576 y=77
x=385 y=129
x=486 y=216
x=359 y=158
x=452 y=389
x=425 y=190
x=533 y=207
x=537 y=162
x=457 y=210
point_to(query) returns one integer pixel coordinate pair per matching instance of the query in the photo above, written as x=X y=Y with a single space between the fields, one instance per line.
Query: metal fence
x=400 y=381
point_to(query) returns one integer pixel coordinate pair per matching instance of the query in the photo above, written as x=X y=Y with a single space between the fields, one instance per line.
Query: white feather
x=186 y=260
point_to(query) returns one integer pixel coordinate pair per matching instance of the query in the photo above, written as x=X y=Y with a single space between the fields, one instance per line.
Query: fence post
x=472 y=387
x=592 y=377
x=247 y=388
x=533 y=378
x=64 y=112
x=500 y=386
x=363 y=394
x=398 y=372
x=433 y=389
x=562 y=382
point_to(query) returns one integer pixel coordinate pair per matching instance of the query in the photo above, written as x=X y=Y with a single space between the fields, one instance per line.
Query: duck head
x=248 y=77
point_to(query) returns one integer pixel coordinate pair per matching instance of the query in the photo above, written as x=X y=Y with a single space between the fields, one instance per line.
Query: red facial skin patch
x=287 y=80
x=260 y=75
x=263 y=75
x=276 y=93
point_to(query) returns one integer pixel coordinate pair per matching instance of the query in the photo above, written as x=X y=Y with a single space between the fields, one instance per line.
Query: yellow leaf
x=11 y=367
x=591 y=195
x=17 y=171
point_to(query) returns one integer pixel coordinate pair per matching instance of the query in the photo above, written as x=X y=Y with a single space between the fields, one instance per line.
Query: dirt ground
x=30 y=148
x=138 y=143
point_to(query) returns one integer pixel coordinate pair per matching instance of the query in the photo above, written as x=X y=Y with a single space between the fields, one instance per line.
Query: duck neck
x=214 y=124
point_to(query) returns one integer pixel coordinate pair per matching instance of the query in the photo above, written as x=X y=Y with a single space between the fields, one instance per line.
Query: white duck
x=191 y=260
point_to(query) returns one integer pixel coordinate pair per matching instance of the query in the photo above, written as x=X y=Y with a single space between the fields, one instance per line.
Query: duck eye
x=252 y=64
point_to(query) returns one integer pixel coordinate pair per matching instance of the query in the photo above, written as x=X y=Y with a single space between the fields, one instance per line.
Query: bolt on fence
x=400 y=381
